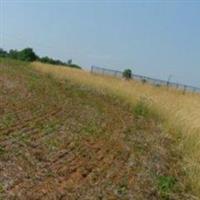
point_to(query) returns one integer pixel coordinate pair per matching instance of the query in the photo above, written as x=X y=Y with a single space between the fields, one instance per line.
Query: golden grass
x=179 y=112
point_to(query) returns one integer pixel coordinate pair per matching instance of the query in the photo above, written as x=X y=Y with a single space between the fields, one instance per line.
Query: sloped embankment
x=60 y=140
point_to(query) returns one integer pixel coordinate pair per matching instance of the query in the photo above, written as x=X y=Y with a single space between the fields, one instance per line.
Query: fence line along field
x=67 y=134
x=179 y=113
x=145 y=79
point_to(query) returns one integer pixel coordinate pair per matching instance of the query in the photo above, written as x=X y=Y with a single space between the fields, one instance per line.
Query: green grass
x=2 y=150
x=141 y=109
x=1 y=188
x=7 y=120
x=166 y=185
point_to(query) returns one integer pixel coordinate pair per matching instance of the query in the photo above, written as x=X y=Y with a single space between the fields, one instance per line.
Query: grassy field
x=67 y=134
x=179 y=113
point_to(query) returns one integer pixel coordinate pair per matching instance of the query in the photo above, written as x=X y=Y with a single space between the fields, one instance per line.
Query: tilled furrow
x=19 y=123
x=26 y=122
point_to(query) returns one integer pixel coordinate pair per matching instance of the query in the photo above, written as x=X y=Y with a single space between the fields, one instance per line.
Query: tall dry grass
x=180 y=112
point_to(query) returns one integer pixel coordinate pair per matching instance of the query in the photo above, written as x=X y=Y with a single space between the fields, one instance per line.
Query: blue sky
x=153 y=38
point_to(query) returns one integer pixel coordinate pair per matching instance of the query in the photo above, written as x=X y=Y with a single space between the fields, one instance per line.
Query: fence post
x=92 y=69
x=168 y=80
x=184 y=90
x=103 y=71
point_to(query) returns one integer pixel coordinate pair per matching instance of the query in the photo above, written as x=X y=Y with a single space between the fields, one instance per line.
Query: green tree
x=127 y=73
x=69 y=62
x=13 y=54
x=27 y=54
x=3 y=53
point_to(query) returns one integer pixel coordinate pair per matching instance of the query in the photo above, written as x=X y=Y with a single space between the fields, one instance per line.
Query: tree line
x=29 y=55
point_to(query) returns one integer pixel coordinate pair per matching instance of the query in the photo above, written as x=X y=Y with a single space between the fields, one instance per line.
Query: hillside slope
x=61 y=140
x=178 y=112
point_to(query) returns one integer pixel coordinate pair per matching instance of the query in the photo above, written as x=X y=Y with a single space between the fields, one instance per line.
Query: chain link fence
x=144 y=79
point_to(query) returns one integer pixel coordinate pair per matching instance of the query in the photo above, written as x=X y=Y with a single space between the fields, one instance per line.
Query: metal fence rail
x=144 y=79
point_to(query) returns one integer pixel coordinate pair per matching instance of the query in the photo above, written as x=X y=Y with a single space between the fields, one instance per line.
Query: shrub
x=158 y=85
x=144 y=81
x=141 y=108
x=144 y=108
x=127 y=73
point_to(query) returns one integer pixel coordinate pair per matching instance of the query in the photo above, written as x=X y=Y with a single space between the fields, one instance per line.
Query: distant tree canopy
x=29 y=55
x=13 y=54
x=26 y=54
x=3 y=53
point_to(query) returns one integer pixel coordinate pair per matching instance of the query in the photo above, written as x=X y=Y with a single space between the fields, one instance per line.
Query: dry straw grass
x=180 y=112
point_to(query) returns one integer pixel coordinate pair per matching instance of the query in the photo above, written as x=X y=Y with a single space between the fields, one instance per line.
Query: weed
x=165 y=185
x=8 y=119
x=1 y=188
x=122 y=189
x=50 y=174
x=52 y=144
x=2 y=150
x=91 y=129
x=141 y=108
x=50 y=127
x=22 y=137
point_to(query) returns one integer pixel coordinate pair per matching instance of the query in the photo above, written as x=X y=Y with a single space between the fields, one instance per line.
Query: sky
x=153 y=38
